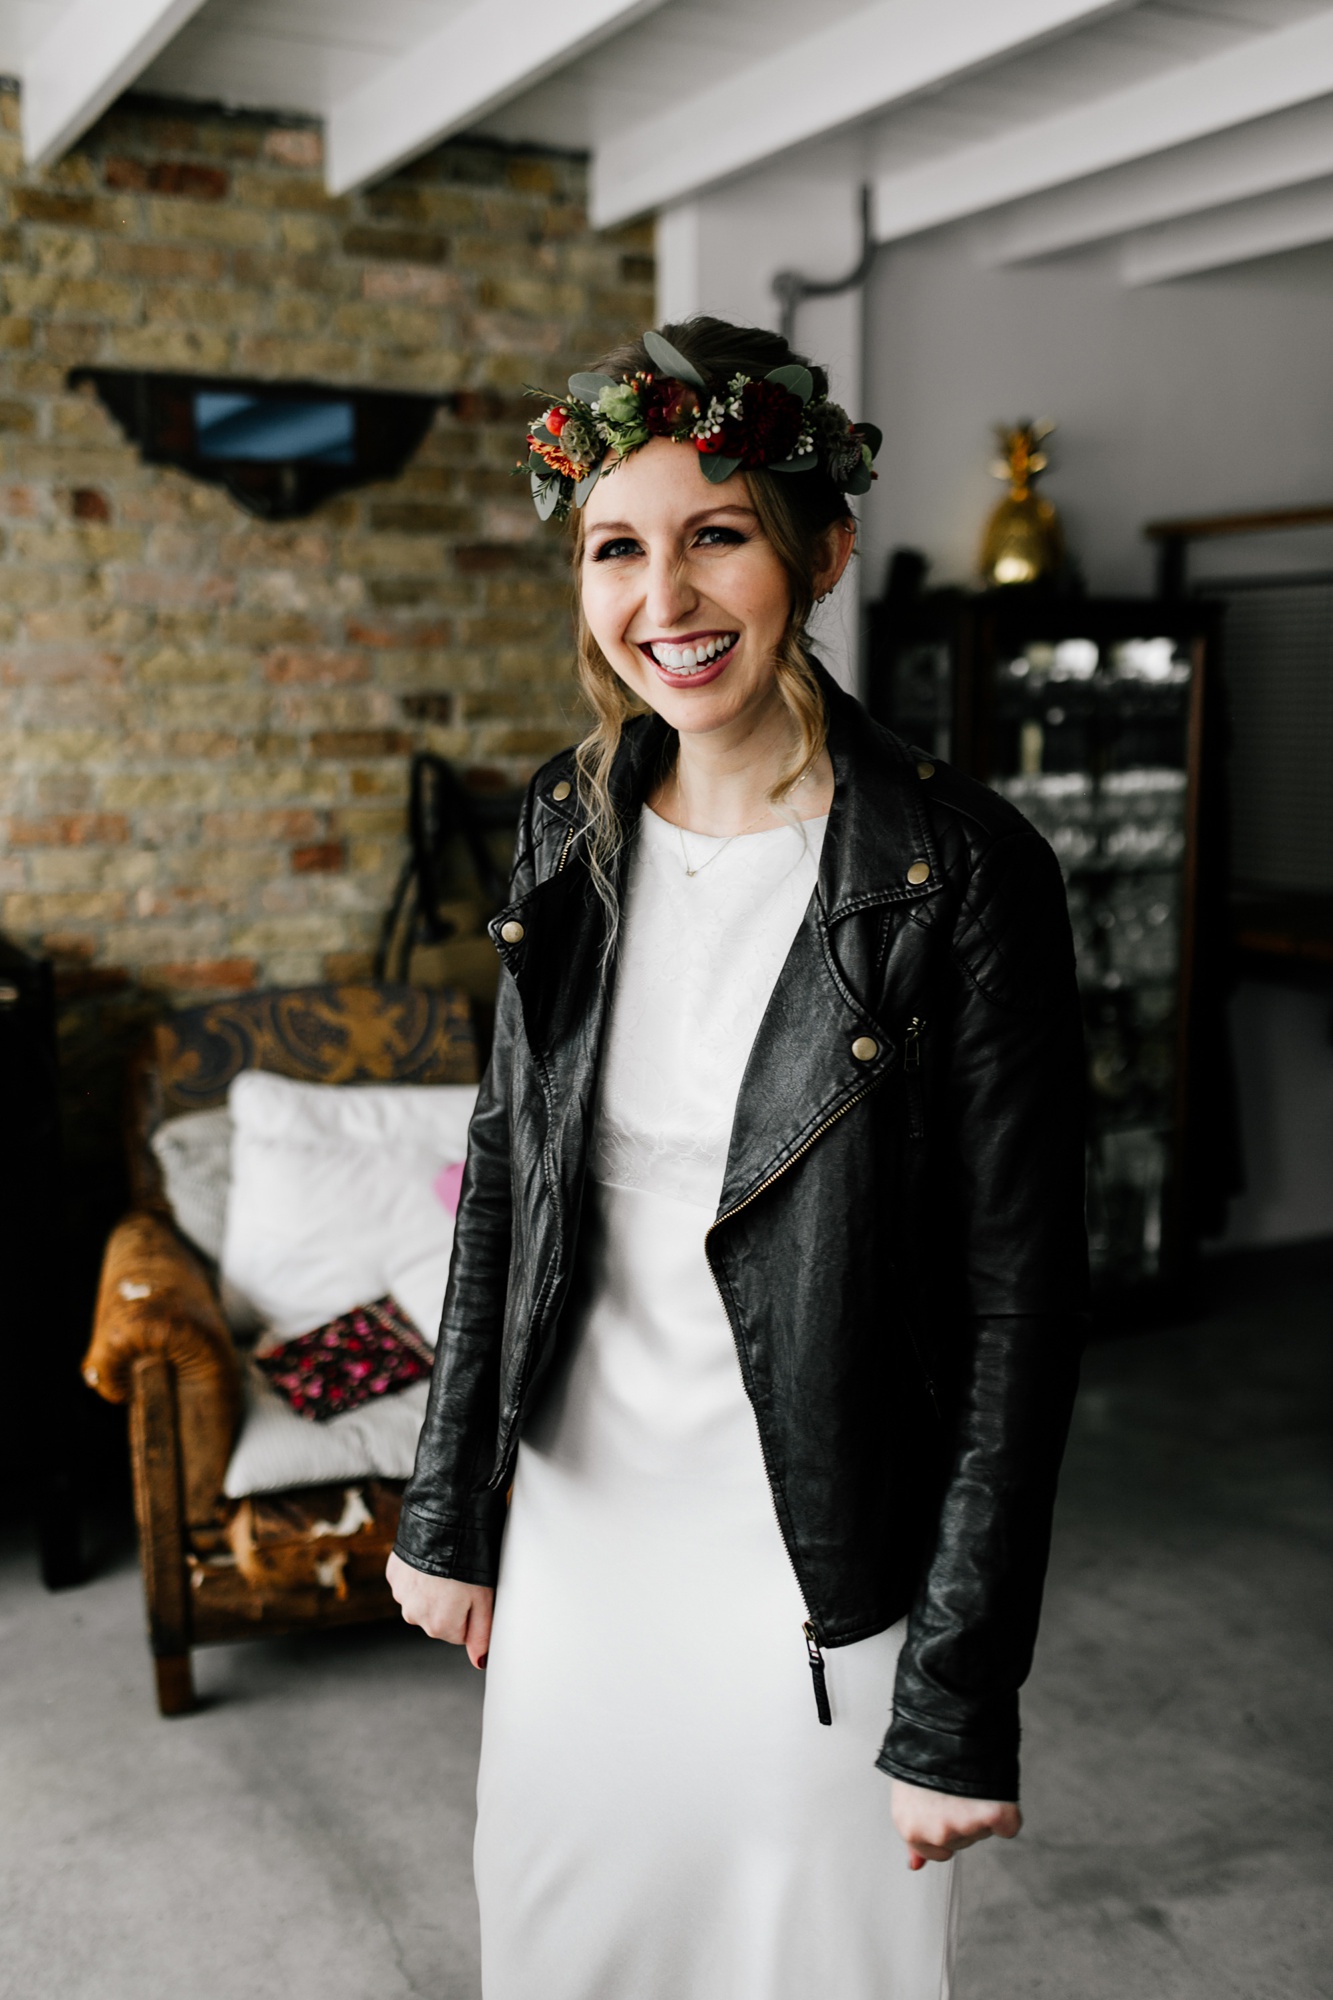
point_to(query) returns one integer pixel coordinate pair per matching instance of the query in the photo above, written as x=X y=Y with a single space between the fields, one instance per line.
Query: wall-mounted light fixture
x=279 y=448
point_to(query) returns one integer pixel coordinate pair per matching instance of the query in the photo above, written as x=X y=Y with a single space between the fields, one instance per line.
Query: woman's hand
x=459 y=1613
x=937 y=1825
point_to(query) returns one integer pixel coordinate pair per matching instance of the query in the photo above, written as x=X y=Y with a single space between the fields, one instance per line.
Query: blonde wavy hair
x=795 y=512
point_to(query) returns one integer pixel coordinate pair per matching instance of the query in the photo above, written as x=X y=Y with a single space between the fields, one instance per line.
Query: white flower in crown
x=709 y=422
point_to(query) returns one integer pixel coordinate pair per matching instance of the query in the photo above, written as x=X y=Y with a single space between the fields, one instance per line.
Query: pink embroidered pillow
x=370 y=1351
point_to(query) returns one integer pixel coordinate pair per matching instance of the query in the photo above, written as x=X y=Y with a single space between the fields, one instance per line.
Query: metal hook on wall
x=791 y=289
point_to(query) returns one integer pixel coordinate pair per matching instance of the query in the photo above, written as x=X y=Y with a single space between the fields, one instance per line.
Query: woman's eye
x=626 y=545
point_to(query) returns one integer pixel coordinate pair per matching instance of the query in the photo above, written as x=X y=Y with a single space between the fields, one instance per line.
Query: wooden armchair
x=218 y=1569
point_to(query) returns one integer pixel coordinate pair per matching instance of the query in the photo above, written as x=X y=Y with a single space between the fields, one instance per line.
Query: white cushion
x=277 y=1449
x=332 y=1200
x=194 y=1153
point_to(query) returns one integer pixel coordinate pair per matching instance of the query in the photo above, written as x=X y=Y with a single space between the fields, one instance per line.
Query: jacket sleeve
x=452 y=1522
x=1012 y=1107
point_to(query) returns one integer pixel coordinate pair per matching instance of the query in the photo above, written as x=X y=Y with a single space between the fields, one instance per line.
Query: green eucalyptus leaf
x=798 y=380
x=585 y=486
x=806 y=461
x=540 y=431
x=546 y=495
x=716 y=469
x=537 y=466
x=586 y=388
x=860 y=480
x=872 y=435
x=670 y=362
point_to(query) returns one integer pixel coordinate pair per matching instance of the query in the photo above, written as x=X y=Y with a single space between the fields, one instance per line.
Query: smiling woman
x=765 y=1299
x=794 y=536
x=686 y=609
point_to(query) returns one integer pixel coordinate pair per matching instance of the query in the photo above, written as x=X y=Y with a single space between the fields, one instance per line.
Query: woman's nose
x=670 y=595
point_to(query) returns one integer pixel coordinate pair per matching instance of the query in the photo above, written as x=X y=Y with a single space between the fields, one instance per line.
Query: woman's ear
x=836 y=545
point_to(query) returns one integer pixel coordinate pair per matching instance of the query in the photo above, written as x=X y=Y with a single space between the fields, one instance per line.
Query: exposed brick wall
x=204 y=719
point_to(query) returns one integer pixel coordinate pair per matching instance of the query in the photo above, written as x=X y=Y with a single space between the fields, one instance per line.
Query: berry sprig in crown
x=775 y=423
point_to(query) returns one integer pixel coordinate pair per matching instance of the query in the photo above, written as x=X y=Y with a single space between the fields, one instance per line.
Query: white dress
x=660 y=1814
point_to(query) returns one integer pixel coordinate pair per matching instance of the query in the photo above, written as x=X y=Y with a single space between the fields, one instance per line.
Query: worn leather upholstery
x=154 y=1298
x=900 y=1242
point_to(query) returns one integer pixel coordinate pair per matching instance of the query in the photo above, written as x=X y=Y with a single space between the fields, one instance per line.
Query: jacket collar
x=879 y=834
x=878 y=828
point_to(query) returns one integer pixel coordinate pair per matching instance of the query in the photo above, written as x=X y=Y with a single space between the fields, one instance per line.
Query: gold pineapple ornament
x=1024 y=541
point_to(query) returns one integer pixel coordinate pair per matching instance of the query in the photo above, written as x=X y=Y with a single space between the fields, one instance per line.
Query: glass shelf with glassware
x=1086 y=714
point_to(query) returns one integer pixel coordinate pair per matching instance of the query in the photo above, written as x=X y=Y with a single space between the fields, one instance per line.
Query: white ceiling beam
x=92 y=51
x=846 y=72
x=1234 y=234
x=1269 y=72
x=459 y=75
x=1231 y=166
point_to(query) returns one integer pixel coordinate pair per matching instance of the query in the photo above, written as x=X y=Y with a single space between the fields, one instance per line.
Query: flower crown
x=775 y=422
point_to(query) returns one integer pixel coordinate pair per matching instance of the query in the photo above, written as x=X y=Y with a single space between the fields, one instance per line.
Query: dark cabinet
x=1089 y=715
x=38 y=1352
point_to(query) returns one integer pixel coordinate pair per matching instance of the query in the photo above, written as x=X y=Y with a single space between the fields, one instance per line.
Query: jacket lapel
x=802 y=1072
x=563 y=984
x=556 y=967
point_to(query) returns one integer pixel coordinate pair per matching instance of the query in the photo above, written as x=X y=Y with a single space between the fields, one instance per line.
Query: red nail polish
x=482 y=1661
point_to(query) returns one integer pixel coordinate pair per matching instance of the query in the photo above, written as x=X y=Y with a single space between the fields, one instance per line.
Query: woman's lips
x=690 y=677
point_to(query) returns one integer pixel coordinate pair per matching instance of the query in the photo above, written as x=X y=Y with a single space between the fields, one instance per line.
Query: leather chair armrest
x=155 y=1299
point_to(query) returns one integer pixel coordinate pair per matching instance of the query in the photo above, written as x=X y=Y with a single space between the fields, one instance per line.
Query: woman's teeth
x=688 y=659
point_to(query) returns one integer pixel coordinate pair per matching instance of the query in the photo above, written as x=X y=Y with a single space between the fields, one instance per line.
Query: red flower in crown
x=667 y=405
x=765 y=432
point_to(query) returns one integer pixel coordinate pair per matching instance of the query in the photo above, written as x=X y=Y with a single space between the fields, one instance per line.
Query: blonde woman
x=769 y=1271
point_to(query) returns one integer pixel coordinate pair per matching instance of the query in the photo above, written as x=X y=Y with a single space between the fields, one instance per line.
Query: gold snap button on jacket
x=562 y=790
x=865 y=1049
x=512 y=932
x=919 y=872
x=925 y=770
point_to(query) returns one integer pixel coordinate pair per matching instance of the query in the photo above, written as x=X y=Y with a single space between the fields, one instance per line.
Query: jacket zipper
x=548 y=1285
x=822 y=1709
x=916 y=1121
x=809 y=1630
x=552 y=1180
x=916 y=1129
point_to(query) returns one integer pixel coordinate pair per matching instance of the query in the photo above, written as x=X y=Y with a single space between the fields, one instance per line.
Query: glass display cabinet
x=1087 y=713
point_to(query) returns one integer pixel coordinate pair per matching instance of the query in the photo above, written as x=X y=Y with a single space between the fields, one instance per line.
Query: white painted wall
x=1196 y=397
x=720 y=253
x=1209 y=394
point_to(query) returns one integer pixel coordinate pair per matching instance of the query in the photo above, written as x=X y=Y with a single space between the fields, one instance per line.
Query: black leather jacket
x=900 y=1243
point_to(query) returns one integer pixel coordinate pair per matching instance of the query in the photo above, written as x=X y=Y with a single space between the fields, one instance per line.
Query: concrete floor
x=306 y=1837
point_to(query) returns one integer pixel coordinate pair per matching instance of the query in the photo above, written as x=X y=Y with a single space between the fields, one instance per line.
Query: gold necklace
x=684 y=853
x=680 y=831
